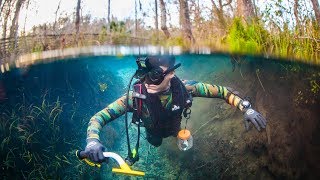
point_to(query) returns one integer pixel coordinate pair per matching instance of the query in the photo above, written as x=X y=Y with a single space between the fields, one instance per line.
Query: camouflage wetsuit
x=117 y=108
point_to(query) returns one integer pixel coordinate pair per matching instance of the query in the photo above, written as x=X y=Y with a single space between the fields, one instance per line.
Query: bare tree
x=245 y=9
x=156 y=19
x=195 y=10
x=25 y=19
x=219 y=12
x=77 y=23
x=14 y=23
x=255 y=8
x=156 y=14
x=0 y=6
x=56 y=13
x=164 y=27
x=185 y=20
x=316 y=9
x=109 y=1
x=6 y=9
x=135 y=17
x=296 y=13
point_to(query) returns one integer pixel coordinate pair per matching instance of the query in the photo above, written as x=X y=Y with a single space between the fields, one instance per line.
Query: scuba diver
x=158 y=101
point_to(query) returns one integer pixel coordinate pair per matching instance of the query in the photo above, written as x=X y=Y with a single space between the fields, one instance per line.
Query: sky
x=41 y=11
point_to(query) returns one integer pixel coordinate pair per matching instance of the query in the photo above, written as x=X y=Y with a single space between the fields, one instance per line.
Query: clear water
x=45 y=109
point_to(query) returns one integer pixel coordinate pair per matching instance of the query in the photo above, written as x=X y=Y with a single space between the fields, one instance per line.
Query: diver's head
x=160 y=72
x=153 y=62
x=158 y=67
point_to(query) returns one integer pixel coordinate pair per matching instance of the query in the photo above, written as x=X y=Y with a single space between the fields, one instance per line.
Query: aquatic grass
x=8 y=162
x=27 y=156
x=3 y=124
x=257 y=73
x=4 y=142
x=315 y=87
x=34 y=134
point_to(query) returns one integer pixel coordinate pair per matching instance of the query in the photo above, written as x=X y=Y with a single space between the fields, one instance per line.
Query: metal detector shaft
x=124 y=167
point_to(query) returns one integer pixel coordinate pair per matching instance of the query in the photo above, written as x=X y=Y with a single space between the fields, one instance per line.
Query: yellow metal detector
x=124 y=167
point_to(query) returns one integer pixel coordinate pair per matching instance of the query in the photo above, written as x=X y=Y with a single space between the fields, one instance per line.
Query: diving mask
x=156 y=75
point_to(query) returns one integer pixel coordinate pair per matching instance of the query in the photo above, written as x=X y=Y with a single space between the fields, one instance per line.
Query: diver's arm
x=110 y=113
x=199 y=89
x=214 y=91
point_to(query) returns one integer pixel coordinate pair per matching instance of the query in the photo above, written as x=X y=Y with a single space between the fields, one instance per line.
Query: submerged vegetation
x=44 y=116
x=34 y=144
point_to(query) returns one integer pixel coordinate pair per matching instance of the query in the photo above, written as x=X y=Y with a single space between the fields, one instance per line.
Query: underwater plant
x=34 y=145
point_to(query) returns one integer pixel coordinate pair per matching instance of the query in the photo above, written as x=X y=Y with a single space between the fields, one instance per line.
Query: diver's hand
x=255 y=118
x=94 y=151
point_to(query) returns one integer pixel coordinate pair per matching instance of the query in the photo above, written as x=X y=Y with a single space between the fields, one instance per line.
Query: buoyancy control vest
x=162 y=122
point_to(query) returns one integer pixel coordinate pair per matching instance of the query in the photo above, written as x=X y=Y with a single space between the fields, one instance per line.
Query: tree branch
x=227 y=3
x=214 y=5
x=55 y=19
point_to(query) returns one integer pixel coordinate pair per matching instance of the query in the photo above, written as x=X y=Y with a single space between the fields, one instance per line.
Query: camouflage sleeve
x=199 y=89
x=110 y=113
